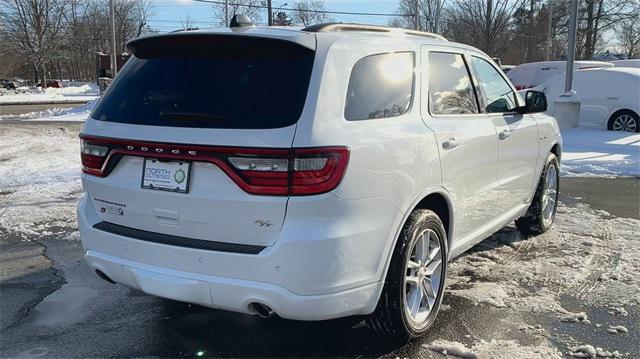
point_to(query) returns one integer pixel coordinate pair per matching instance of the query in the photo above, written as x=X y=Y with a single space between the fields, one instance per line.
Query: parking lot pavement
x=509 y=297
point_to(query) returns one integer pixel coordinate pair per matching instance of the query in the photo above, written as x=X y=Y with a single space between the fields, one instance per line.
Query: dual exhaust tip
x=262 y=310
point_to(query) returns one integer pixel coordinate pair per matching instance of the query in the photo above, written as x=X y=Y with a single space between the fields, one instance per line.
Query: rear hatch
x=193 y=139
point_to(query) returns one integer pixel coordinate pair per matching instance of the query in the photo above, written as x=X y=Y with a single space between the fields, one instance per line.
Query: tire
x=624 y=120
x=393 y=317
x=539 y=216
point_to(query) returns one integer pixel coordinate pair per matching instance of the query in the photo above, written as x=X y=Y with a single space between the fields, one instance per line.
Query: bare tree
x=251 y=8
x=34 y=29
x=628 y=34
x=598 y=16
x=484 y=24
x=187 y=23
x=310 y=12
x=142 y=10
x=281 y=18
x=430 y=15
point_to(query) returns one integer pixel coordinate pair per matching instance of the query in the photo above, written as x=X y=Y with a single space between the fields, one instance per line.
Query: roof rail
x=425 y=34
x=339 y=27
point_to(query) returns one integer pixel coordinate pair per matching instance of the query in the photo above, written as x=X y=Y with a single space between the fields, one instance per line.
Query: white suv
x=316 y=173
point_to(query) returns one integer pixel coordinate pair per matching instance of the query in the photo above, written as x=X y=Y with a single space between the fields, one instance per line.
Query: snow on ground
x=595 y=152
x=39 y=179
x=74 y=114
x=78 y=93
x=588 y=257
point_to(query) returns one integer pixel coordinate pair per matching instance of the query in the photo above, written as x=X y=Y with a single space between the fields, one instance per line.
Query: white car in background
x=532 y=74
x=393 y=152
x=609 y=97
x=635 y=63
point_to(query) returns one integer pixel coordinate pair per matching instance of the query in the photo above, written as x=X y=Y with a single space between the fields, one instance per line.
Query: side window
x=497 y=93
x=450 y=89
x=380 y=86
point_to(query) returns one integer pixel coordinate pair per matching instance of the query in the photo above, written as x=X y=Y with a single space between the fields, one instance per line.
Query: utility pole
x=226 y=12
x=549 y=31
x=416 y=14
x=531 y=30
x=114 y=58
x=270 y=13
x=571 y=50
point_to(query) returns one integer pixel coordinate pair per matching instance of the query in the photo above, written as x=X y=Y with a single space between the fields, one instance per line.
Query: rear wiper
x=191 y=116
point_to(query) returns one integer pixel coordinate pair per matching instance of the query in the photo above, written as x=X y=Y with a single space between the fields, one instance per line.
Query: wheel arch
x=619 y=110
x=556 y=149
x=441 y=205
x=435 y=199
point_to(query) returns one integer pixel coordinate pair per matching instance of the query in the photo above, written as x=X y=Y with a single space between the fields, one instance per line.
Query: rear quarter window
x=380 y=86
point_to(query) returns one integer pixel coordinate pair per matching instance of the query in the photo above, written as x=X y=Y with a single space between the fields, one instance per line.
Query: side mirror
x=535 y=101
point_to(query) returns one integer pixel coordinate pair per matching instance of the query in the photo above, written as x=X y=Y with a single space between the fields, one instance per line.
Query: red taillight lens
x=318 y=170
x=304 y=171
x=275 y=172
x=93 y=157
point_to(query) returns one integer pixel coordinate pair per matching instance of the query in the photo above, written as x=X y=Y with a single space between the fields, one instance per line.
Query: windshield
x=212 y=82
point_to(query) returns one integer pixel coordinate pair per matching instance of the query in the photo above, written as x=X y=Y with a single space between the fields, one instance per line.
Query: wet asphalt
x=52 y=305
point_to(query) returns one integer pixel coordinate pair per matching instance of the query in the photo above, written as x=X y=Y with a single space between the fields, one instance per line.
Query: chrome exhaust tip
x=263 y=311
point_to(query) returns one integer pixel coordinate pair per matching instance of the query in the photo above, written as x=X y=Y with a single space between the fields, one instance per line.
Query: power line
x=308 y=10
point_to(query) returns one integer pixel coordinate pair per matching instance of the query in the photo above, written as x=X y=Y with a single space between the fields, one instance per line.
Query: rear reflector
x=260 y=171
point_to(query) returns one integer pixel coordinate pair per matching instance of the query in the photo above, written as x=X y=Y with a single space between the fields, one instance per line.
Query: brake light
x=276 y=172
x=93 y=157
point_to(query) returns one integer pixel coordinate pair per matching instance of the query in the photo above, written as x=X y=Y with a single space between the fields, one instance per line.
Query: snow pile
x=589 y=351
x=75 y=114
x=79 y=93
x=451 y=348
x=39 y=180
x=492 y=349
x=593 y=152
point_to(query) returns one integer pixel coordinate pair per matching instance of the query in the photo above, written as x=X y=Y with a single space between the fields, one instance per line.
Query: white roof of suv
x=307 y=36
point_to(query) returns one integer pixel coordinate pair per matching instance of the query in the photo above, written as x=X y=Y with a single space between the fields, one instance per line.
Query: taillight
x=276 y=172
x=93 y=157
x=303 y=171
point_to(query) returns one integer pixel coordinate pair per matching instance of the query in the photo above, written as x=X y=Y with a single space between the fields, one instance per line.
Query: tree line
x=59 y=38
x=518 y=31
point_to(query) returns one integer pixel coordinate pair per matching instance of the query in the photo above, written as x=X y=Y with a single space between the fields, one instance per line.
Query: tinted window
x=210 y=82
x=380 y=86
x=497 y=93
x=450 y=89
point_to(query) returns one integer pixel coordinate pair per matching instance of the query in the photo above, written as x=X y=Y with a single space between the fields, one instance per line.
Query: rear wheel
x=542 y=211
x=414 y=284
x=624 y=120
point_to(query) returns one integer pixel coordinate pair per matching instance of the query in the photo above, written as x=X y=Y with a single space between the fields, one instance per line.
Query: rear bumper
x=232 y=294
x=304 y=279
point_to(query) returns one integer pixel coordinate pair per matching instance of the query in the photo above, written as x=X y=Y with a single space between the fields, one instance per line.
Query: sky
x=169 y=15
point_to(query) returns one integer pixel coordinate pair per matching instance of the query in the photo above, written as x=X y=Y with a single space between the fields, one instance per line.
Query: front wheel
x=414 y=284
x=542 y=211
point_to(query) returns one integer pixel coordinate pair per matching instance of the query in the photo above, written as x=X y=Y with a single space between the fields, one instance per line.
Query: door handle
x=450 y=144
x=504 y=134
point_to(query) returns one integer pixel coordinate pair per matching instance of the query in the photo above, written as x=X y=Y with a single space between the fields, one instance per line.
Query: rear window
x=210 y=82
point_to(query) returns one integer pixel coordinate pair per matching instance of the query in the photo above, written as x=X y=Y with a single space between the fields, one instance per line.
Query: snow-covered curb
x=75 y=114
x=70 y=94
